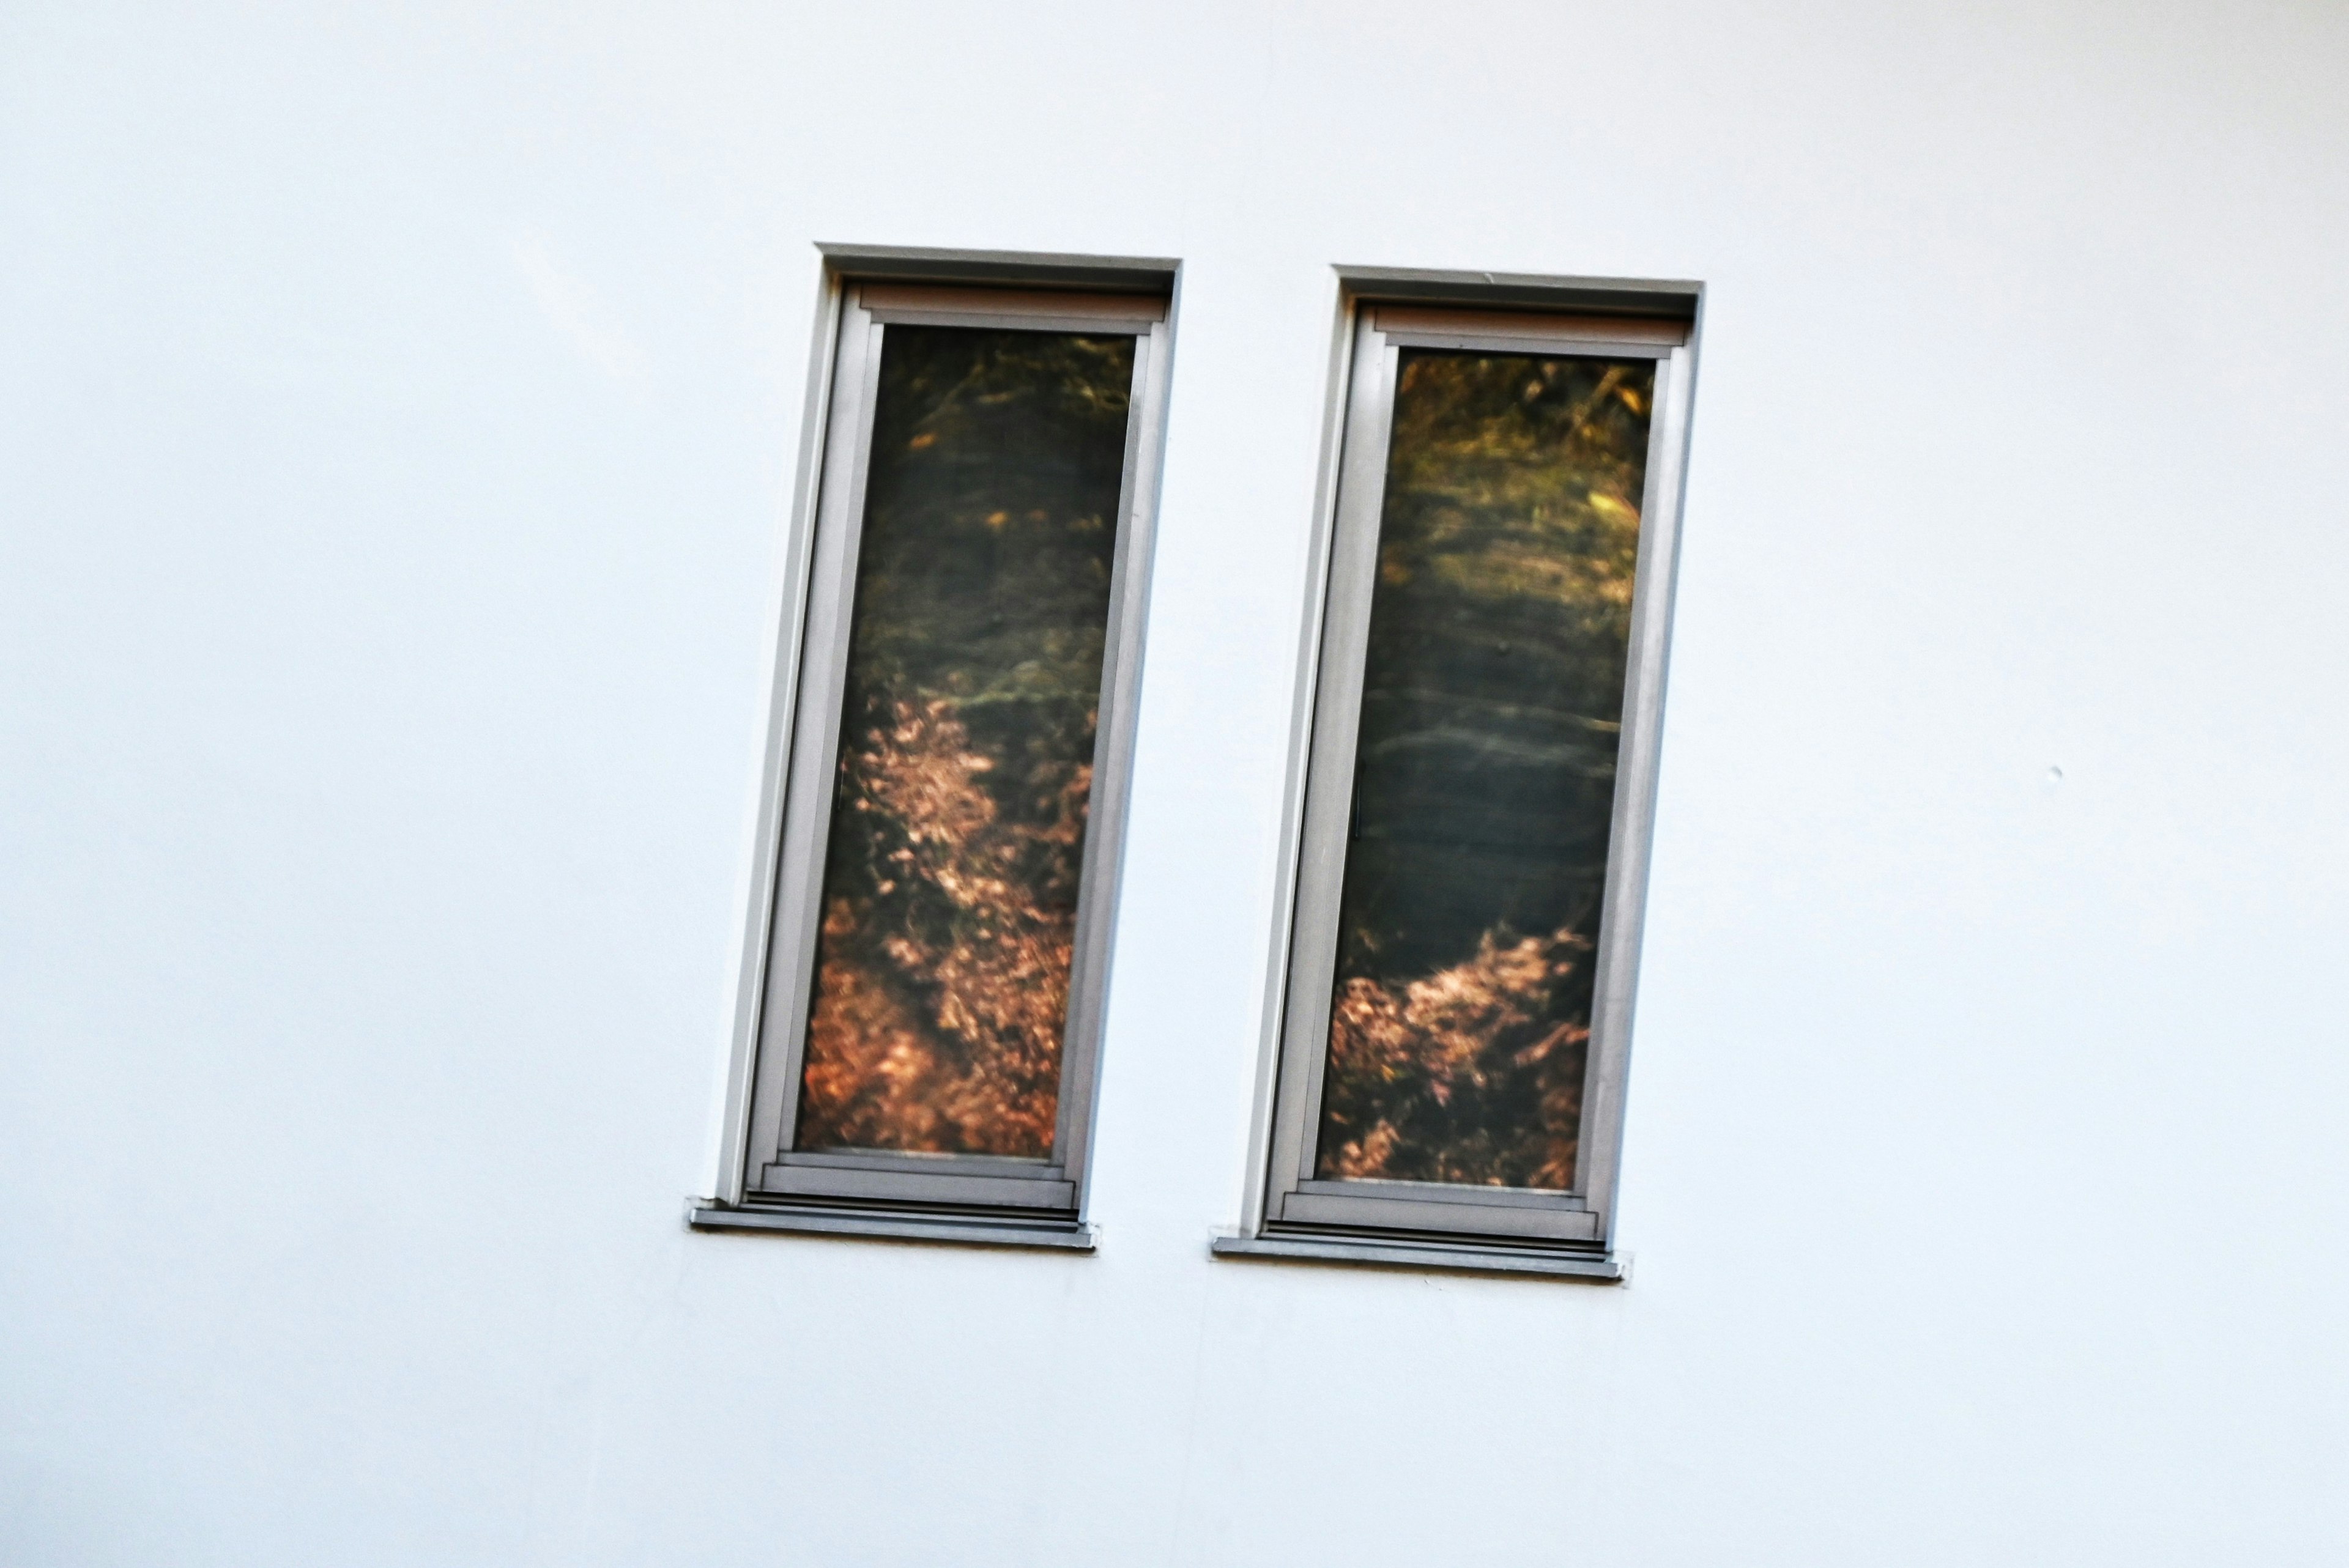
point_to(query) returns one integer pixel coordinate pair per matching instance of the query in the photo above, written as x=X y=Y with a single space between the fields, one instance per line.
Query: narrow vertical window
x=1479 y=777
x=930 y=1008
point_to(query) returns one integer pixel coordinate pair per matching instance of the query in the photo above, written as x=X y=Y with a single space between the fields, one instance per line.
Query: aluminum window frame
x=1290 y=1213
x=764 y=1182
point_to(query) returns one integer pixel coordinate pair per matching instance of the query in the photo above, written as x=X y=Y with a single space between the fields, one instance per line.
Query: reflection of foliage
x=991 y=498
x=1519 y=479
x=1464 y=1076
x=937 y=1016
x=1485 y=768
x=975 y=663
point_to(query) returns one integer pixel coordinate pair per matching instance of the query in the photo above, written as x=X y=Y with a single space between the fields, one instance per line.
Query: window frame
x=765 y=1183
x=1292 y=1213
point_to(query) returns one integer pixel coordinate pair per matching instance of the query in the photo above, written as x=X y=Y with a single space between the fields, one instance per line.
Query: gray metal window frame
x=765 y=1184
x=1289 y=1213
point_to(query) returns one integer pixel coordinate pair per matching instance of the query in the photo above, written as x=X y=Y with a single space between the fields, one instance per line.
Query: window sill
x=951 y=1229
x=1598 y=1268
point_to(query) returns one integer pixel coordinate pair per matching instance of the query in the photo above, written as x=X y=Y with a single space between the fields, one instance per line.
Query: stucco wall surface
x=398 y=415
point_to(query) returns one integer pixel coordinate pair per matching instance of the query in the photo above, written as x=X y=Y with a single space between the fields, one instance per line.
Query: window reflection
x=966 y=762
x=1486 y=770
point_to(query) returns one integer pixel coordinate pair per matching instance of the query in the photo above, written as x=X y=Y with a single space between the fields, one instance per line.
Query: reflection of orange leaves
x=940 y=997
x=862 y=1046
x=1421 y=1074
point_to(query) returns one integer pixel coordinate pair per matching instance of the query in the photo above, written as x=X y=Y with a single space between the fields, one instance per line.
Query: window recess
x=922 y=1005
x=1477 y=778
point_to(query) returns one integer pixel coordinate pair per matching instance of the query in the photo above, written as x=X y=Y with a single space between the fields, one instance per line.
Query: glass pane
x=1484 y=776
x=967 y=743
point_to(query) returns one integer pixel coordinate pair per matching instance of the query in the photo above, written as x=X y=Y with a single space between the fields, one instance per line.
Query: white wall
x=397 y=415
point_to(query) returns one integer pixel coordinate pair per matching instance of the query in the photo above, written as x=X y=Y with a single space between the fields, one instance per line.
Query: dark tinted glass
x=967 y=742
x=1486 y=770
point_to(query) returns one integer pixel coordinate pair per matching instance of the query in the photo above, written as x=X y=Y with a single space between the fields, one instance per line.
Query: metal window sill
x=1596 y=1268
x=950 y=1230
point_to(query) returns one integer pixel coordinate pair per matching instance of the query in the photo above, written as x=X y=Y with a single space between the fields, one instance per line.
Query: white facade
x=396 y=449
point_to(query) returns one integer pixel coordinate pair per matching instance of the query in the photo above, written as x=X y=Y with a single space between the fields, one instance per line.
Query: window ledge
x=952 y=1230
x=1599 y=1268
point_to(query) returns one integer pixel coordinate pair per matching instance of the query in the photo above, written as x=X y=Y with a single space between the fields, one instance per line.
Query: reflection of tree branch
x=1578 y=419
x=985 y=379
